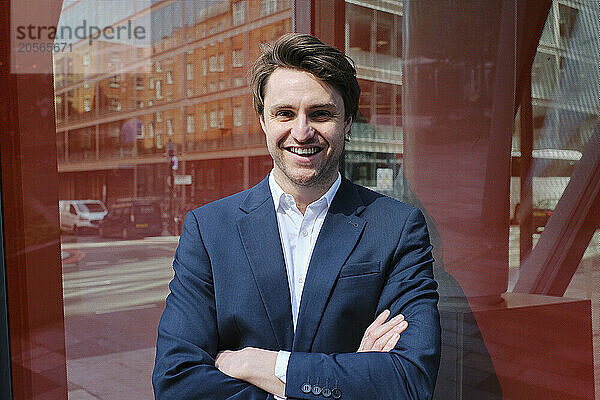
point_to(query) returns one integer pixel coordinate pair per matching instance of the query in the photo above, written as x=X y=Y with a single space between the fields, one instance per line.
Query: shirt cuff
x=283 y=357
x=281 y=368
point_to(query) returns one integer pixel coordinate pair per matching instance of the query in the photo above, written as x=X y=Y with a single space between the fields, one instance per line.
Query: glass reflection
x=122 y=108
x=164 y=118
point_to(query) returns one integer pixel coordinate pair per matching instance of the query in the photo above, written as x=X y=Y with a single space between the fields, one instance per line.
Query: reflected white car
x=80 y=215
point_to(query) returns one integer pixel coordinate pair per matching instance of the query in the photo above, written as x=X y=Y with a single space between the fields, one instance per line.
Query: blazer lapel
x=340 y=232
x=260 y=237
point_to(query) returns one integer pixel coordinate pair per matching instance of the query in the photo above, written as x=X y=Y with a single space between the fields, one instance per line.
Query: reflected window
x=115 y=81
x=237 y=116
x=567 y=18
x=268 y=7
x=359 y=20
x=158 y=89
x=221 y=118
x=213 y=119
x=213 y=64
x=190 y=124
x=114 y=104
x=87 y=58
x=159 y=139
x=239 y=12
x=237 y=58
x=87 y=104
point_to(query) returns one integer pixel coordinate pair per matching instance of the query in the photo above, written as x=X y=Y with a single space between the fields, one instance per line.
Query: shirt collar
x=278 y=194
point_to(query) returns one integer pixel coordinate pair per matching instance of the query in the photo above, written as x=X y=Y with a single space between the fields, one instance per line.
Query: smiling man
x=305 y=125
x=305 y=286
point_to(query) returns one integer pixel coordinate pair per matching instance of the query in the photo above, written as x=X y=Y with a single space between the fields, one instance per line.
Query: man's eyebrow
x=280 y=106
x=328 y=106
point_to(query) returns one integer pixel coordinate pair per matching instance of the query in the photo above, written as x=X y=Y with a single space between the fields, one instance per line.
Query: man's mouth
x=304 y=151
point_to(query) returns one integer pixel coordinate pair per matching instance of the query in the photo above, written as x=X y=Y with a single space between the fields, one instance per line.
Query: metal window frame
x=5 y=360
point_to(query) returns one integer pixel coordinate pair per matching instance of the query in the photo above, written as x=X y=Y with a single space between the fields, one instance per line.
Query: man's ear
x=347 y=125
x=261 y=119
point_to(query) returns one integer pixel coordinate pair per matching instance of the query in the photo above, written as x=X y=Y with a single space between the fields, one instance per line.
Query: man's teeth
x=304 y=151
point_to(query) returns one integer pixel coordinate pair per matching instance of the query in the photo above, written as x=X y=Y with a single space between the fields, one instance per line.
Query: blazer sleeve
x=408 y=371
x=187 y=333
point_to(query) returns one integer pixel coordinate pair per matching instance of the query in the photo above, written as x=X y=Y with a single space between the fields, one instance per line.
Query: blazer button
x=316 y=390
x=306 y=388
x=336 y=393
x=326 y=392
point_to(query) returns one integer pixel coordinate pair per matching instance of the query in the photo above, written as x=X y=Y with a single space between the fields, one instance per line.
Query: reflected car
x=81 y=215
x=134 y=218
x=541 y=212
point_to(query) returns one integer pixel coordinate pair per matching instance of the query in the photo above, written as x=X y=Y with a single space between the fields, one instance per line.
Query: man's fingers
x=369 y=336
x=382 y=343
x=379 y=320
x=391 y=343
x=379 y=332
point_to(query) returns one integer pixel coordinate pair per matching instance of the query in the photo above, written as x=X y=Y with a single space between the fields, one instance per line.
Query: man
x=284 y=289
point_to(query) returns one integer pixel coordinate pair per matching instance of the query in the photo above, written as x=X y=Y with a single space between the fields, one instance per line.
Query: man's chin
x=304 y=181
x=310 y=181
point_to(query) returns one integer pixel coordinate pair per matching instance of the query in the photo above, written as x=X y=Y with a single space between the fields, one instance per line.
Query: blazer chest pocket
x=360 y=269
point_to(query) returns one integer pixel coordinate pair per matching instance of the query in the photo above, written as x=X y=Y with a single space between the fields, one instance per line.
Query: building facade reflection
x=119 y=106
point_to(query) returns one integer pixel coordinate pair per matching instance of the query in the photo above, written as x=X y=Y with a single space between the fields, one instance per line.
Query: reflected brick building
x=119 y=106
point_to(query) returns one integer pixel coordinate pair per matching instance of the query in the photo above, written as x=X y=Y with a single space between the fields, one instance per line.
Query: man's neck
x=304 y=195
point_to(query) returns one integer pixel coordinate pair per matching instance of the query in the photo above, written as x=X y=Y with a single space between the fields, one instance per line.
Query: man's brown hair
x=306 y=53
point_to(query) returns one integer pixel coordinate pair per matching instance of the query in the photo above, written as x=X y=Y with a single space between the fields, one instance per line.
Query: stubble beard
x=322 y=179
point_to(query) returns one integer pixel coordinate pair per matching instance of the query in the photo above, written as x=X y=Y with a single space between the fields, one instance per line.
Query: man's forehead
x=295 y=81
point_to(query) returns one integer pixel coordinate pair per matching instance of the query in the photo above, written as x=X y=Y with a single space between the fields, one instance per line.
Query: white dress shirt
x=298 y=235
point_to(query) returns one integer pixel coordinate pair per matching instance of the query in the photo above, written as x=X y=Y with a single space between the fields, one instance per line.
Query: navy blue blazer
x=230 y=291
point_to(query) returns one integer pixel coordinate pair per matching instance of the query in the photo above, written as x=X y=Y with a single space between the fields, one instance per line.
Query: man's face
x=303 y=120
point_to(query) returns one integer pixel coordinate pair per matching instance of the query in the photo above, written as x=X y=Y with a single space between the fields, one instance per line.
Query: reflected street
x=108 y=276
x=114 y=293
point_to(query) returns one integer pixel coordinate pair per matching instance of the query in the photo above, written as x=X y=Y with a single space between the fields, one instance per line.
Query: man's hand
x=381 y=335
x=255 y=366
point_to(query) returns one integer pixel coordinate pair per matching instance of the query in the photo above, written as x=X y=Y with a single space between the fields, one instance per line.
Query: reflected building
x=119 y=106
x=564 y=100
x=373 y=39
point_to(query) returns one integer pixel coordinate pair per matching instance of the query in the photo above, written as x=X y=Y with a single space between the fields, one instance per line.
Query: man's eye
x=284 y=114
x=321 y=115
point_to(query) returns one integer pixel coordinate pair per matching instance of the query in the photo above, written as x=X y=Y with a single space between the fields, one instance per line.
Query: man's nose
x=302 y=131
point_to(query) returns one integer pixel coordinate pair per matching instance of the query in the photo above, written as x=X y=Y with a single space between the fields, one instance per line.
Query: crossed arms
x=191 y=364
x=256 y=366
